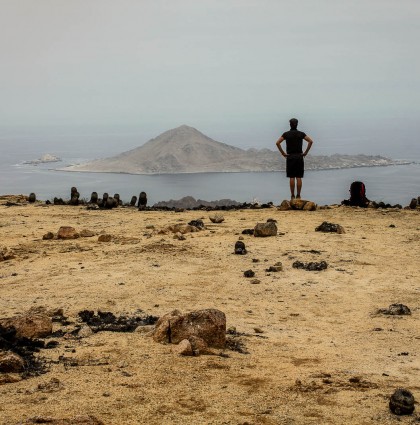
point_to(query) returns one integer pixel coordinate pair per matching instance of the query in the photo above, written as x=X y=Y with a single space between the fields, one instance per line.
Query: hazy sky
x=235 y=69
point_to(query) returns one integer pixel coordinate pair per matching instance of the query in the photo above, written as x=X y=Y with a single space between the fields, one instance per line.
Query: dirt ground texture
x=322 y=355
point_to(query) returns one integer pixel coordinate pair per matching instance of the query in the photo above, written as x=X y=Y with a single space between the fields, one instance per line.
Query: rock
x=298 y=204
x=6 y=254
x=197 y=223
x=249 y=273
x=309 y=206
x=179 y=236
x=217 y=218
x=104 y=238
x=199 y=346
x=32 y=198
x=240 y=248
x=285 y=206
x=248 y=232
x=184 y=348
x=86 y=233
x=93 y=198
x=180 y=228
x=11 y=362
x=67 y=232
x=395 y=310
x=29 y=325
x=413 y=204
x=75 y=420
x=330 y=227
x=133 y=201
x=142 y=201
x=402 y=402
x=278 y=267
x=312 y=266
x=258 y=330
x=265 y=229
x=48 y=236
x=9 y=379
x=85 y=331
x=255 y=281
x=209 y=325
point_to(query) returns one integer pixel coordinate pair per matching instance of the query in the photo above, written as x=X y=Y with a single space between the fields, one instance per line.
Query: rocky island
x=187 y=150
x=45 y=159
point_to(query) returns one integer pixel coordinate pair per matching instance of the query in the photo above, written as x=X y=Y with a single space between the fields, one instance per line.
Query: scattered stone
x=217 y=218
x=248 y=232
x=285 y=206
x=240 y=248
x=402 y=402
x=105 y=238
x=11 y=362
x=6 y=254
x=86 y=233
x=309 y=206
x=330 y=227
x=258 y=330
x=29 y=325
x=209 y=325
x=179 y=236
x=48 y=236
x=180 y=228
x=249 y=273
x=67 y=232
x=32 y=198
x=184 y=348
x=241 y=238
x=265 y=229
x=51 y=386
x=395 y=310
x=85 y=331
x=197 y=223
x=278 y=267
x=312 y=266
x=255 y=260
x=255 y=281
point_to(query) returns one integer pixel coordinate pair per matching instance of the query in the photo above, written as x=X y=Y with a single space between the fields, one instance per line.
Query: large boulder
x=29 y=325
x=265 y=229
x=208 y=324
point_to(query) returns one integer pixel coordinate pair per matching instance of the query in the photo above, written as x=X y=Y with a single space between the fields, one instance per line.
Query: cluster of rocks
x=395 y=310
x=68 y=232
x=297 y=204
x=330 y=228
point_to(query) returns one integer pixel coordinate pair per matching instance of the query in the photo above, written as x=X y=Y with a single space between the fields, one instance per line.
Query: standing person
x=294 y=155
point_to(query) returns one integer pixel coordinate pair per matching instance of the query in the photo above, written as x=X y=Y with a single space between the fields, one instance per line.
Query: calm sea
x=393 y=184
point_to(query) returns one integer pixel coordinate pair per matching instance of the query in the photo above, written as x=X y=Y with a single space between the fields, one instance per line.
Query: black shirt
x=294 y=140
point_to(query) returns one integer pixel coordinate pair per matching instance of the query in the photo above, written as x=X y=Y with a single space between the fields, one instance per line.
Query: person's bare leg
x=292 y=187
x=299 y=186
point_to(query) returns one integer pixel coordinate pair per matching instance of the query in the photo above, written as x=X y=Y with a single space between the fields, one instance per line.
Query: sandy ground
x=320 y=330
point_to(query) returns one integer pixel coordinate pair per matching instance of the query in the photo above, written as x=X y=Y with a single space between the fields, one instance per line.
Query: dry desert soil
x=309 y=347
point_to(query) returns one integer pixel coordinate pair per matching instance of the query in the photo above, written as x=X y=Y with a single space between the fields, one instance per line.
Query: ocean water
x=392 y=184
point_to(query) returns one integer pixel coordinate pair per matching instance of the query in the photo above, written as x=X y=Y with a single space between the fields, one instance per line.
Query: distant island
x=186 y=150
x=45 y=159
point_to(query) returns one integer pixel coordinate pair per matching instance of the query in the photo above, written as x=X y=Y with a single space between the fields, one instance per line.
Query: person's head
x=293 y=123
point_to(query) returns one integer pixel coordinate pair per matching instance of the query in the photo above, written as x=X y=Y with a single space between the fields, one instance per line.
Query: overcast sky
x=236 y=70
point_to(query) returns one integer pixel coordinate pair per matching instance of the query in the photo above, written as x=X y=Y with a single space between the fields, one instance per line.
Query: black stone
x=197 y=223
x=312 y=266
x=248 y=232
x=402 y=402
x=249 y=273
x=327 y=227
x=240 y=248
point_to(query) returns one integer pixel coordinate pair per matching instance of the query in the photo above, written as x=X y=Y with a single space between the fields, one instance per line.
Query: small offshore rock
x=330 y=227
x=312 y=266
x=402 y=402
x=105 y=238
x=249 y=273
x=240 y=248
x=217 y=218
x=67 y=232
x=265 y=229
x=48 y=236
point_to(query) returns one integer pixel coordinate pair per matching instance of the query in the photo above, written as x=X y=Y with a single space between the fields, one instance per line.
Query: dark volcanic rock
x=197 y=223
x=330 y=227
x=249 y=273
x=248 y=232
x=312 y=266
x=265 y=229
x=240 y=248
x=395 y=310
x=402 y=402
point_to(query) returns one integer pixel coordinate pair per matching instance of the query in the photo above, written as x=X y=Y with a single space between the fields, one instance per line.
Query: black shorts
x=294 y=166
